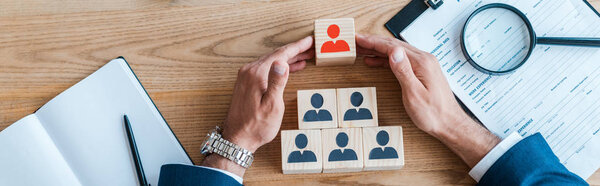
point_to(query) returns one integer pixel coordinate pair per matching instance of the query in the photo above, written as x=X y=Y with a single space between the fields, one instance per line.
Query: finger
x=367 y=52
x=383 y=45
x=376 y=61
x=285 y=53
x=292 y=50
x=251 y=81
x=309 y=54
x=398 y=60
x=402 y=68
x=278 y=76
x=374 y=43
x=298 y=66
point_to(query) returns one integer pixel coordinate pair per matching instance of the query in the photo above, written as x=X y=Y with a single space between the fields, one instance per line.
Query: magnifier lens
x=497 y=39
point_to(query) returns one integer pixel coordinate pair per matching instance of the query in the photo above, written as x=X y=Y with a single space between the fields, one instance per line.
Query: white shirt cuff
x=491 y=157
x=234 y=176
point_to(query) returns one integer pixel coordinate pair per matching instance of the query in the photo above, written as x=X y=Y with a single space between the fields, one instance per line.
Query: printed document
x=554 y=93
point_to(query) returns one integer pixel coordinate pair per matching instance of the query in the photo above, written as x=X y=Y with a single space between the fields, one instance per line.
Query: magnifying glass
x=498 y=39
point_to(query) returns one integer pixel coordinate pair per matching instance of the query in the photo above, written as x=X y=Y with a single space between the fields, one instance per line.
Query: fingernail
x=398 y=56
x=279 y=69
x=307 y=37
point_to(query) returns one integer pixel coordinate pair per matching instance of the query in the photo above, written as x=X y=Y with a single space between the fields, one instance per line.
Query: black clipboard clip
x=434 y=3
x=409 y=13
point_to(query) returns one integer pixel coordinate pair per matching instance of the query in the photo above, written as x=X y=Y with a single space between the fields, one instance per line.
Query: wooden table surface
x=187 y=52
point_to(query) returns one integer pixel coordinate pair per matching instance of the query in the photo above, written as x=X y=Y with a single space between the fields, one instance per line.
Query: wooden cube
x=342 y=150
x=383 y=148
x=357 y=107
x=301 y=151
x=317 y=109
x=335 y=42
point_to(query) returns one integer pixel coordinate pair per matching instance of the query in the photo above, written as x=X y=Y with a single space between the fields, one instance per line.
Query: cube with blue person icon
x=357 y=107
x=342 y=150
x=301 y=151
x=317 y=109
x=383 y=148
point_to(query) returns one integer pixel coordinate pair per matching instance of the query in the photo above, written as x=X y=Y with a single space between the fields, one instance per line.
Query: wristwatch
x=214 y=143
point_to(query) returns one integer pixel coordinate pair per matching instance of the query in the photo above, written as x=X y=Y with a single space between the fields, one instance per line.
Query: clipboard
x=412 y=11
x=528 y=102
x=415 y=8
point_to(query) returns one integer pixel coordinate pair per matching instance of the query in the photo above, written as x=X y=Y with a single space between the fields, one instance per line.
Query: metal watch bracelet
x=214 y=143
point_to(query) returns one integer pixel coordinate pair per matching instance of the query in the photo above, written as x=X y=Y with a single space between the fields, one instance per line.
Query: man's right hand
x=427 y=97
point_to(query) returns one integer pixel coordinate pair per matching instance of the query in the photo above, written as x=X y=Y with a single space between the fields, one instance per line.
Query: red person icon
x=333 y=31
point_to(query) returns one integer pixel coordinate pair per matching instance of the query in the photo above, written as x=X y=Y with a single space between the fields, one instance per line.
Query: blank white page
x=28 y=156
x=555 y=92
x=86 y=124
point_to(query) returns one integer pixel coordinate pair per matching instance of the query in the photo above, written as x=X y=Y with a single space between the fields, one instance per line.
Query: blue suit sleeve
x=530 y=162
x=184 y=175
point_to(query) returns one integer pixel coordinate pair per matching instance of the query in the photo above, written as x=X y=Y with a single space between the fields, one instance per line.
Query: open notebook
x=78 y=138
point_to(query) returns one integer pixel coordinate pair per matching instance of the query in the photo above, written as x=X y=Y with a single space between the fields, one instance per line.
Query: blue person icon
x=342 y=154
x=383 y=153
x=352 y=114
x=316 y=100
x=300 y=156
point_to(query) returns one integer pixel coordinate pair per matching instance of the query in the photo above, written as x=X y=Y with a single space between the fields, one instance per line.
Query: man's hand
x=257 y=105
x=427 y=96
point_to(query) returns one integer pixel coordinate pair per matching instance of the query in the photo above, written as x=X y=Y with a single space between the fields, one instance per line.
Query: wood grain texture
x=328 y=106
x=187 y=53
x=393 y=141
x=342 y=150
x=355 y=105
x=335 y=42
x=311 y=148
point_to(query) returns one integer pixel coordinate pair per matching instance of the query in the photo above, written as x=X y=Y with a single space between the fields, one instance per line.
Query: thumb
x=402 y=68
x=278 y=76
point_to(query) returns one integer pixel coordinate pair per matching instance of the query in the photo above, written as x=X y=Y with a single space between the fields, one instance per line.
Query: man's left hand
x=257 y=105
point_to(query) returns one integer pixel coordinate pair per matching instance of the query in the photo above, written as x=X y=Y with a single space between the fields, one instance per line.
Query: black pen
x=134 y=152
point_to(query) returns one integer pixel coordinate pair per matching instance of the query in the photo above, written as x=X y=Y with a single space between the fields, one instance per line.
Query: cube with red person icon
x=335 y=42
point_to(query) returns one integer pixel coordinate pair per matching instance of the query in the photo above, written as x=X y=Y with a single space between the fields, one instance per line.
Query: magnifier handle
x=570 y=41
